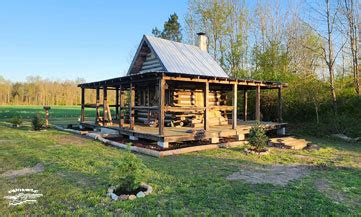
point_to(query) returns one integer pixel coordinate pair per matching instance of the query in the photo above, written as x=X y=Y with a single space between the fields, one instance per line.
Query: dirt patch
x=275 y=174
x=70 y=139
x=24 y=171
x=325 y=187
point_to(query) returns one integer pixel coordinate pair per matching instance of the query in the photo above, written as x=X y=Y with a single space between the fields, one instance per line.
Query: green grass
x=57 y=114
x=77 y=174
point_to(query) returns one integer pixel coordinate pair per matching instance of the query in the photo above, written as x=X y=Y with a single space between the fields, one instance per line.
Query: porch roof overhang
x=171 y=76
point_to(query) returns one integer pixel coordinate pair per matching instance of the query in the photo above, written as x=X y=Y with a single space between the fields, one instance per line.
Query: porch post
x=206 y=104
x=117 y=102
x=97 y=98
x=131 y=106
x=82 y=113
x=280 y=104
x=234 y=113
x=258 y=103
x=245 y=104
x=105 y=99
x=161 y=92
x=121 y=100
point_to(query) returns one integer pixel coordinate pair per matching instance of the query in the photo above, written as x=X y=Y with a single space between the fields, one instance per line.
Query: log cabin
x=175 y=92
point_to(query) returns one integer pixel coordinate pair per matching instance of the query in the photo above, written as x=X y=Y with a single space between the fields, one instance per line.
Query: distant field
x=57 y=114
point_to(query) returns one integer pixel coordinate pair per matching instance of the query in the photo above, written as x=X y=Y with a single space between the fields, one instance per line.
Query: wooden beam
x=183 y=109
x=146 y=107
x=234 y=103
x=105 y=101
x=221 y=107
x=206 y=105
x=258 y=104
x=280 y=120
x=245 y=83
x=131 y=106
x=121 y=101
x=161 y=92
x=117 y=102
x=82 y=114
x=245 y=105
x=95 y=105
x=97 y=101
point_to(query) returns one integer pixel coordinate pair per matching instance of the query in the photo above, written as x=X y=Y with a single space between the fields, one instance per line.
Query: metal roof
x=181 y=58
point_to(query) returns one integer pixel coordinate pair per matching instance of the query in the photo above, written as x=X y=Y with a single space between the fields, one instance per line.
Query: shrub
x=129 y=173
x=16 y=120
x=37 y=121
x=257 y=137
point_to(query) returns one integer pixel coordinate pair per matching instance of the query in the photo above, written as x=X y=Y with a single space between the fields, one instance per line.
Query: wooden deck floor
x=177 y=134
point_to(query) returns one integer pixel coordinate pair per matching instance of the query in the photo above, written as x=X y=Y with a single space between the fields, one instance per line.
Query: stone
x=163 y=144
x=111 y=189
x=312 y=147
x=214 y=140
x=133 y=138
x=281 y=131
x=240 y=137
x=140 y=194
x=149 y=190
x=114 y=196
x=148 y=187
x=123 y=197
x=132 y=197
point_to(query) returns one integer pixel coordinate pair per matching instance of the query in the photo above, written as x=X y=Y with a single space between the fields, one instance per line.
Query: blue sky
x=67 y=39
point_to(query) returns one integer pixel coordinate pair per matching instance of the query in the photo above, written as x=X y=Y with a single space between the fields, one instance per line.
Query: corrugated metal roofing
x=183 y=58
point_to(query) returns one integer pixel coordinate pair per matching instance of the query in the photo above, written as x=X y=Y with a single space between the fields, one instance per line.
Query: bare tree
x=327 y=15
x=350 y=12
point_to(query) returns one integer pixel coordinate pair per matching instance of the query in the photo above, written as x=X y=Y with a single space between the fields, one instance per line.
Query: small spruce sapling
x=16 y=120
x=129 y=173
x=257 y=137
x=37 y=122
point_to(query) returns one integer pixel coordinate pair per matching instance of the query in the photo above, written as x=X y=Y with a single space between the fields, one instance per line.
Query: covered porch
x=148 y=106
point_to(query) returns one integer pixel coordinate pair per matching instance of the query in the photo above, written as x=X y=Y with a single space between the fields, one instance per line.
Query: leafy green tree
x=270 y=63
x=171 y=29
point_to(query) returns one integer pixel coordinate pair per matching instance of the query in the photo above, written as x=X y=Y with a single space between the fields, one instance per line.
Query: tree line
x=311 y=45
x=38 y=91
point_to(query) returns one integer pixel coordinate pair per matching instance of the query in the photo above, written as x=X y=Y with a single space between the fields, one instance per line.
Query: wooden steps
x=289 y=142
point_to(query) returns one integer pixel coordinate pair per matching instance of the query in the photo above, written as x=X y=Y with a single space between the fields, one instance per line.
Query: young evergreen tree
x=171 y=30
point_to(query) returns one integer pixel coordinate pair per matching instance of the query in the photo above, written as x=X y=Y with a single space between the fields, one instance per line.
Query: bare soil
x=325 y=187
x=24 y=171
x=70 y=139
x=274 y=174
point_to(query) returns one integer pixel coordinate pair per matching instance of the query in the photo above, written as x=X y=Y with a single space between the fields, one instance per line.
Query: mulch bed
x=120 y=191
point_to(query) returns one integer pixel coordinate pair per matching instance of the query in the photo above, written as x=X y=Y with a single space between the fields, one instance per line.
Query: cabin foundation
x=281 y=131
x=133 y=138
x=214 y=140
x=163 y=144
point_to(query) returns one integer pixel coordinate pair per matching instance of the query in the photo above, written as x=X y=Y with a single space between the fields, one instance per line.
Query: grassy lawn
x=57 y=114
x=77 y=174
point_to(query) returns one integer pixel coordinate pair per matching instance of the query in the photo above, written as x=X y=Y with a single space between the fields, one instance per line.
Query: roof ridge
x=191 y=45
